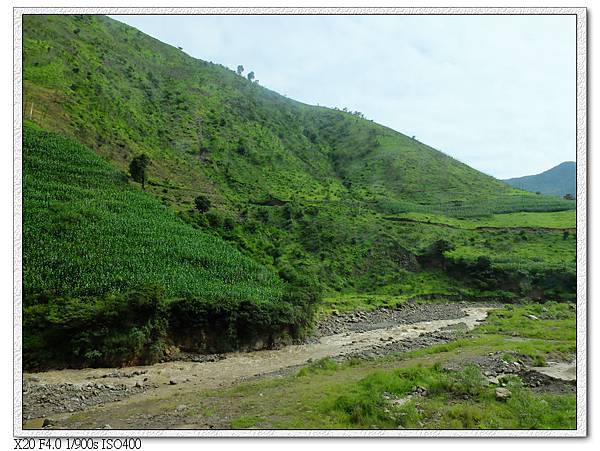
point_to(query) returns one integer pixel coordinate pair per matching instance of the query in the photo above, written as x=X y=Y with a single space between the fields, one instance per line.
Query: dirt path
x=60 y=393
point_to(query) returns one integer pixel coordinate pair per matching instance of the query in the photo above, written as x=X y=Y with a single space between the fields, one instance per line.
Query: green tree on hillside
x=138 y=169
x=202 y=203
x=240 y=69
x=251 y=75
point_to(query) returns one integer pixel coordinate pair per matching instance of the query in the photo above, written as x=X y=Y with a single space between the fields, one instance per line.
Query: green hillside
x=110 y=236
x=91 y=236
x=310 y=196
x=208 y=129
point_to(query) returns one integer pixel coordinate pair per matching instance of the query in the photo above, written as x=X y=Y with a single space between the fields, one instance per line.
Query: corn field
x=87 y=231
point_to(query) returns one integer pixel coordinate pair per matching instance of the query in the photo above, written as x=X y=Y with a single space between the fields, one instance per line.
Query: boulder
x=502 y=394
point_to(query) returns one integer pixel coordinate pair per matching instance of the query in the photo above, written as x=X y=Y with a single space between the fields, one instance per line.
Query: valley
x=202 y=252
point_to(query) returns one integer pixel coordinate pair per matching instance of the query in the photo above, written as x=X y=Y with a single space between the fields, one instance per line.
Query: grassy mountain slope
x=300 y=189
x=123 y=92
x=559 y=180
x=108 y=235
x=91 y=236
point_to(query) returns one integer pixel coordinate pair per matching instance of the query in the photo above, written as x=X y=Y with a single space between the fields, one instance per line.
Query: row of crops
x=86 y=233
x=481 y=207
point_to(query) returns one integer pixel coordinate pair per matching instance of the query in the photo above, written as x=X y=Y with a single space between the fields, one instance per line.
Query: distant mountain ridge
x=559 y=180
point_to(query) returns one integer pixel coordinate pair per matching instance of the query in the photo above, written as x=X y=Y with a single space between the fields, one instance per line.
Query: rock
x=399 y=402
x=138 y=384
x=502 y=394
x=107 y=426
x=181 y=407
x=172 y=382
x=532 y=317
x=47 y=423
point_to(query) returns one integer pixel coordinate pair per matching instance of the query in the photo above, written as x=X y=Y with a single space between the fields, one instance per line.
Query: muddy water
x=242 y=365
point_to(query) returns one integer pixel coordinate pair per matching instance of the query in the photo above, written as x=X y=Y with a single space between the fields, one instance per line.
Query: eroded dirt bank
x=62 y=392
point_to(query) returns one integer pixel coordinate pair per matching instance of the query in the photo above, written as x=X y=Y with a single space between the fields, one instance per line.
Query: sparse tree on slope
x=138 y=169
x=202 y=203
x=240 y=70
x=251 y=75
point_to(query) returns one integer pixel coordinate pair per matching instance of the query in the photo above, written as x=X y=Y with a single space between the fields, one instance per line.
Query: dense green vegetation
x=100 y=255
x=293 y=186
x=106 y=235
x=522 y=220
x=253 y=204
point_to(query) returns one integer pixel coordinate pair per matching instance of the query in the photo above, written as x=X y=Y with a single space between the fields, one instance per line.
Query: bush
x=99 y=331
x=202 y=204
x=215 y=219
x=138 y=169
x=228 y=223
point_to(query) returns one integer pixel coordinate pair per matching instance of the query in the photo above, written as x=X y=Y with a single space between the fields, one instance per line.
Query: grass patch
x=455 y=400
x=246 y=422
x=558 y=220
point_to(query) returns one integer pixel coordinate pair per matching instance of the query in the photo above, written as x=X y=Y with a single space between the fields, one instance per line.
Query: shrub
x=95 y=330
x=228 y=223
x=202 y=203
x=215 y=219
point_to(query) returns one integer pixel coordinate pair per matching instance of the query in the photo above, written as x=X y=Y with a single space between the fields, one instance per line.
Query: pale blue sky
x=496 y=92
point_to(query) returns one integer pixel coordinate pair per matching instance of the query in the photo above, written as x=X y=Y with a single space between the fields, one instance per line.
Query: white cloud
x=496 y=92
